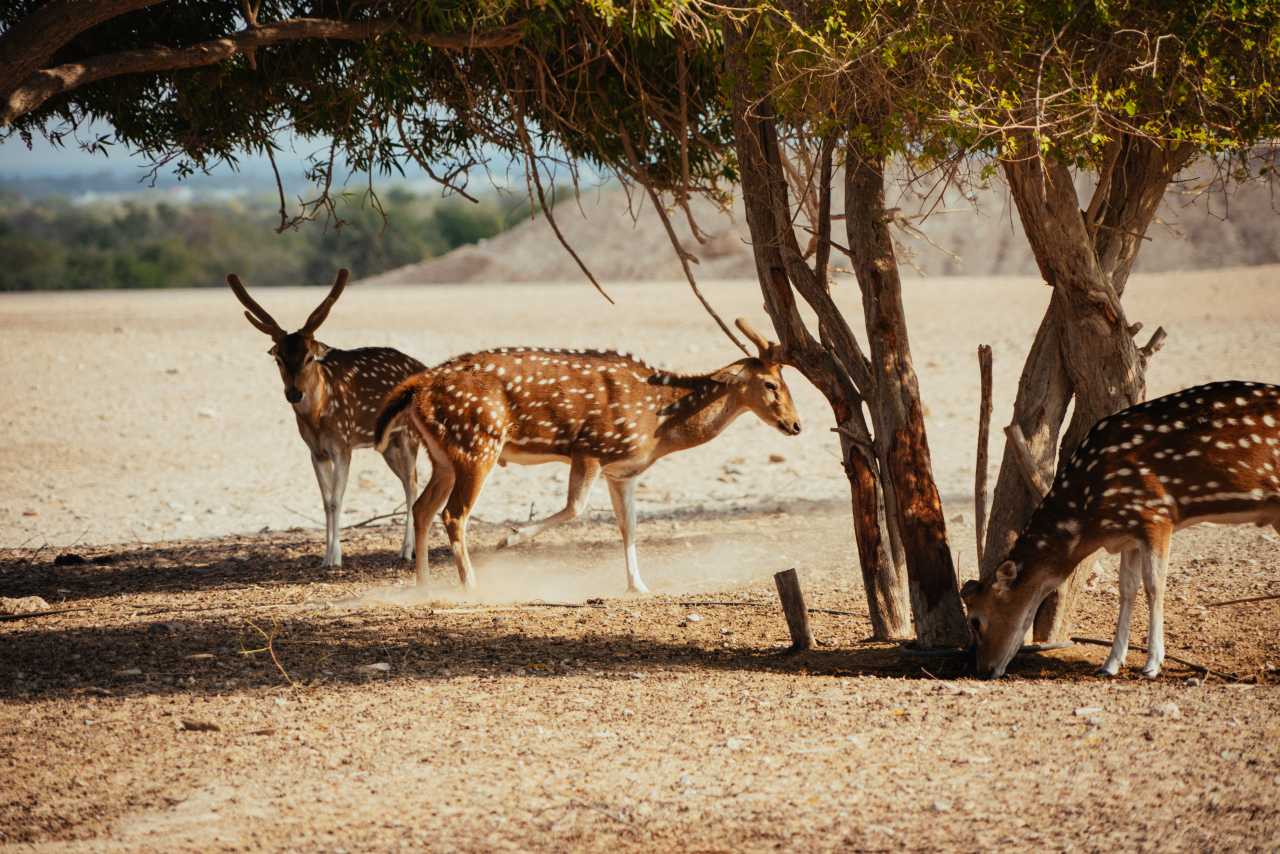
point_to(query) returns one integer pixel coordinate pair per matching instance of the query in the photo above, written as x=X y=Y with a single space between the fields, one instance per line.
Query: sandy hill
x=978 y=237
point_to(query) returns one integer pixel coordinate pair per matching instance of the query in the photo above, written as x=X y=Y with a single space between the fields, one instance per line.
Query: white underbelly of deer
x=598 y=411
x=1209 y=454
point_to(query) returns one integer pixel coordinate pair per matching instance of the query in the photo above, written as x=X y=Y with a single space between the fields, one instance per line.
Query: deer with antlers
x=335 y=395
x=1205 y=454
x=599 y=411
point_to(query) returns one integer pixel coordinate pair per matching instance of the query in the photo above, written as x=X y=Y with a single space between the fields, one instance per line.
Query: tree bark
x=1083 y=349
x=793 y=607
x=833 y=362
x=34 y=40
x=902 y=444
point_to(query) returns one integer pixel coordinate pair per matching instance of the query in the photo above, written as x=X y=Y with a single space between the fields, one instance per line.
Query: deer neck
x=318 y=401
x=695 y=410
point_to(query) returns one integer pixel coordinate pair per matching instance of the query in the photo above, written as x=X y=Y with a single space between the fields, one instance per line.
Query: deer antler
x=322 y=310
x=257 y=315
x=769 y=351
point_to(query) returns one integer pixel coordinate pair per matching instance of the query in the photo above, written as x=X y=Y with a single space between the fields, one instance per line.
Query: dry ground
x=624 y=723
x=147 y=433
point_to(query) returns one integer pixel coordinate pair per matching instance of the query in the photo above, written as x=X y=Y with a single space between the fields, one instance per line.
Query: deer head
x=296 y=353
x=1000 y=612
x=759 y=385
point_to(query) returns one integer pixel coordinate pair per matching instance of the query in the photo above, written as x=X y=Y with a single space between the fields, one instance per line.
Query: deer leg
x=457 y=511
x=402 y=457
x=322 y=464
x=1130 y=567
x=583 y=472
x=623 y=495
x=428 y=505
x=1155 y=568
x=338 y=488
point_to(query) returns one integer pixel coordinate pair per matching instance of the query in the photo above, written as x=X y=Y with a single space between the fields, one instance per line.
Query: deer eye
x=771 y=386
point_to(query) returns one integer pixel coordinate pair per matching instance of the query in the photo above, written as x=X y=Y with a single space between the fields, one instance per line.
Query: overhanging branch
x=48 y=82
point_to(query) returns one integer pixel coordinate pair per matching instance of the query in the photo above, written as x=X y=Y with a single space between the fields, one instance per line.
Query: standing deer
x=335 y=396
x=598 y=411
x=1205 y=454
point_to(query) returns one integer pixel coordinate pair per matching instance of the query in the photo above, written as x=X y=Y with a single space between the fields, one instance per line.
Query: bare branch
x=1026 y=463
x=984 y=432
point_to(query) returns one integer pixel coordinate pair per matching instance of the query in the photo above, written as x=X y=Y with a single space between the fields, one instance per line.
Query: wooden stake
x=984 y=434
x=793 y=606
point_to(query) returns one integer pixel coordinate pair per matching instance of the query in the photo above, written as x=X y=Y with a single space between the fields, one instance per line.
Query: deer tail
x=393 y=406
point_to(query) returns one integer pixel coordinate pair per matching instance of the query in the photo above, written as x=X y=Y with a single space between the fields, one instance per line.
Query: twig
x=1230 y=677
x=984 y=434
x=1026 y=463
x=681 y=253
x=5 y=618
x=769 y=605
x=397 y=512
x=1266 y=598
x=270 y=649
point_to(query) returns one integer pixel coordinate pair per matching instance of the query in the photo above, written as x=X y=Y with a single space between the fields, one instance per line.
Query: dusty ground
x=385 y=720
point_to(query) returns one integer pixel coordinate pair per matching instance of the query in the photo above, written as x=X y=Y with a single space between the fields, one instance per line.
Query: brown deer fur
x=335 y=395
x=598 y=411
x=1205 y=454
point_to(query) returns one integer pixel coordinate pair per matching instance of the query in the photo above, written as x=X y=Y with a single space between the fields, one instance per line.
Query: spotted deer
x=335 y=395
x=601 y=412
x=1205 y=454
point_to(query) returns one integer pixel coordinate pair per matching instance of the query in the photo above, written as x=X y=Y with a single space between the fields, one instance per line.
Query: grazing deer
x=1204 y=454
x=598 y=411
x=335 y=396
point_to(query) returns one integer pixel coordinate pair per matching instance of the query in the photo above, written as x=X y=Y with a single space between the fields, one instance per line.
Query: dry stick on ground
x=768 y=605
x=399 y=511
x=984 y=436
x=1230 y=677
x=1266 y=598
x=270 y=649
x=4 y=618
x=793 y=607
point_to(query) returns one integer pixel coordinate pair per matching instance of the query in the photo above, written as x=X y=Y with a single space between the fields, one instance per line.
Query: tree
x=1131 y=92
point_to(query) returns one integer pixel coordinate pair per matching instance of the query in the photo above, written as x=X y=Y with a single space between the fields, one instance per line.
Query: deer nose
x=292 y=395
x=795 y=428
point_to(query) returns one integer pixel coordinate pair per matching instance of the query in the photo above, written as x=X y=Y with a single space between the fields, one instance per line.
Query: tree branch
x=1026 y=463
x=48 y=82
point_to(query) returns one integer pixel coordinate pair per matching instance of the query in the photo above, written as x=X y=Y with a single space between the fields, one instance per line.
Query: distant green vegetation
x=54 y=244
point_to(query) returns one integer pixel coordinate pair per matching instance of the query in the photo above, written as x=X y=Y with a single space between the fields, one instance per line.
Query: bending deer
x=1204 y=454
x=600 y=412
x=335 y=395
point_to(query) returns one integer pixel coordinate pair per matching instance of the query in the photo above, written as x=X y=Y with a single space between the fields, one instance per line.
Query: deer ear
x=969 y=590
x=1005 y=574
x=728 y=375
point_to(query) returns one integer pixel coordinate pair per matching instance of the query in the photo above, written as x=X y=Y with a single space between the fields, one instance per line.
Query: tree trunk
x=902 y=445
x=834 y=363
x=1084 y=347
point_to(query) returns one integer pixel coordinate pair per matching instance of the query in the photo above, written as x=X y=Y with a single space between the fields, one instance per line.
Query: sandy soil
x=137 y=422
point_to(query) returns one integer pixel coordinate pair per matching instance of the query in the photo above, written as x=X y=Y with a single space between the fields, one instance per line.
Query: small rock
x=941 y=806
x=379 y=666
x=69 y=559
x=30 y=513
x=1088 y=711
x=130 y=671
x=206 y=413
x=1166 y=710
x=959 y=519
x=694 y=618
x=736 y=742
x=198 y=726
x=777 y=458
x=171 y=370
x=23 y=605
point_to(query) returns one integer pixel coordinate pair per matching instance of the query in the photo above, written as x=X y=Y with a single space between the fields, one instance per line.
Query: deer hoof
x=1151 y=671
x=1107 y=670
